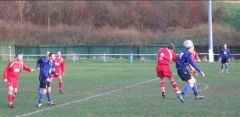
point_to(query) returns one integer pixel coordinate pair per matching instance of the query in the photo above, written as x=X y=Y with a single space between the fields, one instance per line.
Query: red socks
x=162 y=85
x=10 y=99
x=60 y=85
x=175 y=86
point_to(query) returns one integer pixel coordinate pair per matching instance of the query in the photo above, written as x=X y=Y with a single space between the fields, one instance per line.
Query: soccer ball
x=188 y=44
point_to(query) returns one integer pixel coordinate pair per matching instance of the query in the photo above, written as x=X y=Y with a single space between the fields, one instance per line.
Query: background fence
x=88 y=50
x=104 y=52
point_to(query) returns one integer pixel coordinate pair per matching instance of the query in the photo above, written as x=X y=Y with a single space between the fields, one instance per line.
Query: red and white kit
x=164 y=56
x=195 y=58
x=11 y=75
x=59 y=66
x=12 y=72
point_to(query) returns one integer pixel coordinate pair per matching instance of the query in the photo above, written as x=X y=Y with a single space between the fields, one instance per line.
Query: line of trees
x=105 y=21
x=154 y=15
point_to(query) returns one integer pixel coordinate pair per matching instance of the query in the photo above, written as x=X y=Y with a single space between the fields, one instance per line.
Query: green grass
x=85 y=79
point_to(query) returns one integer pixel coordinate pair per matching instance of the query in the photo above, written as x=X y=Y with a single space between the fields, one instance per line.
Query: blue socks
x=49 y=96
x=40 y=98
x=39 y=92
x=186 y=89
x=195 y=89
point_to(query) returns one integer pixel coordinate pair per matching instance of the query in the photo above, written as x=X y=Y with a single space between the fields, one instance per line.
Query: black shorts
x=224 y=60
x=44 y=84
x=184 y=74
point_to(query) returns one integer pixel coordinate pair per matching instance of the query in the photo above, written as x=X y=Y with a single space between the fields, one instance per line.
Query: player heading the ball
x=183 y=65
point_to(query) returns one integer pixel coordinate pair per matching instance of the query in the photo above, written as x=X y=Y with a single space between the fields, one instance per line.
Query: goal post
x=210 y=40
x=10 y=52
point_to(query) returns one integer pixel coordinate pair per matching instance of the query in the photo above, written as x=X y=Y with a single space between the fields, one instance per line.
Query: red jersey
x=165 y=55
x=14 y=69
x=59 y=65
x=194 y=56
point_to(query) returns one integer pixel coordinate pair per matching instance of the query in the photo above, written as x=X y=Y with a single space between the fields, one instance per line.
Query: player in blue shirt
x=183 y=66
x=46 y=67
x=225 y=57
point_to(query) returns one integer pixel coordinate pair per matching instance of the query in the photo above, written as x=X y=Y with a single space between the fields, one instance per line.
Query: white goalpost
x=210 y=38
x=10 y=52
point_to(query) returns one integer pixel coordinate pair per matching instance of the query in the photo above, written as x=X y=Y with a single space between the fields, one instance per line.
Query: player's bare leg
x=51 y=81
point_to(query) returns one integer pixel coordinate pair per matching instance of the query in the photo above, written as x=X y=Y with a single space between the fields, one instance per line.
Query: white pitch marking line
x=87 y=98
x=205 y=87
x=98 y=95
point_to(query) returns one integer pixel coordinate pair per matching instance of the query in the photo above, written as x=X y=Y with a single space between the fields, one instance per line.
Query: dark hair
x=171 y=46
x=50 y=54
x=17 y=54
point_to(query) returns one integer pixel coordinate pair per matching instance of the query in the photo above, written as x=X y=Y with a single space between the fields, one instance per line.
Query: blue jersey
x=41 y=63
x=51 y=67
x=184 y=60
x=224 y=53
x=46 y=68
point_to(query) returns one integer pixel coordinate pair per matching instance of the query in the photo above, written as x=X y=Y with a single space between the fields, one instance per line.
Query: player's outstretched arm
x=27 y=68
x=193 y=64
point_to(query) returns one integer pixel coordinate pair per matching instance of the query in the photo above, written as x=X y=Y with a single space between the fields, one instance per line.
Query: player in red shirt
x=195 y=58
x=164 y=56
x=59 y=69
x=11 y=75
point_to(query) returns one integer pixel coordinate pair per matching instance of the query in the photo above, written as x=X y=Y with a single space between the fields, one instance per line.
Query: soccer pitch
x=117 y=89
